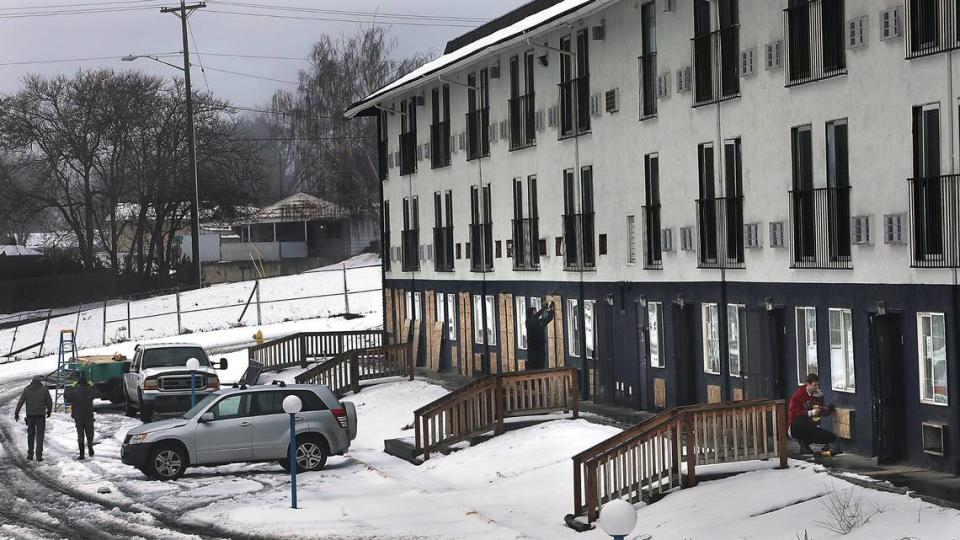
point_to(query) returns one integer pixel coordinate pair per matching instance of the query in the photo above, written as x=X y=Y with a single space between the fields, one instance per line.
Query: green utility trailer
x=105 y=372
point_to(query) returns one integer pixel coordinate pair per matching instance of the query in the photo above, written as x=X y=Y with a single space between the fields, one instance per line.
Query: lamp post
x=193 y=365
x=617 y=518
x=292 y=406
x=192 y=151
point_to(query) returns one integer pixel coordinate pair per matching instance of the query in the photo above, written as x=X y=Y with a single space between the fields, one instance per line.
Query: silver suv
x=245 y=424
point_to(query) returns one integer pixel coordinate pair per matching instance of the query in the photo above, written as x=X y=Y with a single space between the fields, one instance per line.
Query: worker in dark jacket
x=537 y=322
x=80 y=398
x=39 y=407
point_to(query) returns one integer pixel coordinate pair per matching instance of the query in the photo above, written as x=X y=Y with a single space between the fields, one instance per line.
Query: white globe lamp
x=193 y=364
x=292 y=405
x=617 y=518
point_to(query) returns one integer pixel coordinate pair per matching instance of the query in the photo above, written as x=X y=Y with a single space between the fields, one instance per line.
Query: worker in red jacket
x=806 y=409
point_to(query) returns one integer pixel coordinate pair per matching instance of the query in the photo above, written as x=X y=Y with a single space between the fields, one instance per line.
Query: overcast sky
x=142 y=29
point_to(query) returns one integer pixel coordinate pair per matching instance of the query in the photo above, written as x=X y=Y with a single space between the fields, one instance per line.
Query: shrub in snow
x=845 y=511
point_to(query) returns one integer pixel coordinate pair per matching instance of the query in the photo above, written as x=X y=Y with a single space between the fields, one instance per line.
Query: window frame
x=710 y=345
x=846 y=349
x=735 y=312
x=921 y=359
x=573 y=328
x=520 y=307
x=807 y=311
x=655 y=335
x=590 y=329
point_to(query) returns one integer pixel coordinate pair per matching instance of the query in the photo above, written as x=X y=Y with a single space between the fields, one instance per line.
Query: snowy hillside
x=314 y=294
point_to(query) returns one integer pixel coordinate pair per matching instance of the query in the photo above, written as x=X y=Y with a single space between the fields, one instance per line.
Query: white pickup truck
x=157 y=379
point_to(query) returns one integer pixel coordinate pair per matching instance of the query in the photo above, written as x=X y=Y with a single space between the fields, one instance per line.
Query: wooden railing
x=648 y=459
x=483 y=405
x=299 y=349
x=344 y=372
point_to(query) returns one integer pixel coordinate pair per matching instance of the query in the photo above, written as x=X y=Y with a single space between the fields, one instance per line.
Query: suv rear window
x=271 y=402
x=172 y=357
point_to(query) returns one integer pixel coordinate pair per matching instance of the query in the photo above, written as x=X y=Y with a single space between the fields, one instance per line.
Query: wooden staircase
x=655 y=456
x=342 y=360
x=483 y=405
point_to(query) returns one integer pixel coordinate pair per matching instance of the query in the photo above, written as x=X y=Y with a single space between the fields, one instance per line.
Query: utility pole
x=183 y=12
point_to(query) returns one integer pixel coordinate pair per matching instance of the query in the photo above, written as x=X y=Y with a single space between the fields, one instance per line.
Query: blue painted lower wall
x=770 y=357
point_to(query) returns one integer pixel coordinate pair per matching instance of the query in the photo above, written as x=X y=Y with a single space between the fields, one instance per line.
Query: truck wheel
x=128 y=408
x=146 y=413
x=167 y=462
x=311 y=454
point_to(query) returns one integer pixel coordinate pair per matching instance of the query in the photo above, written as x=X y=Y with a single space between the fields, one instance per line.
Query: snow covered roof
x=299 y=207
x=18 y=251
x=448 y=60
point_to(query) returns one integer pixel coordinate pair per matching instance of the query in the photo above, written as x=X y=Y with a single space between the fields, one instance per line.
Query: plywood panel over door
x=388 y=316
x=429 y=317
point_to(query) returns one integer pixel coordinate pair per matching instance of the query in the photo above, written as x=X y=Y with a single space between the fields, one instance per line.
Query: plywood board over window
x=713 y=394
x=429 y=318
x=843 y=423
x=555 y=344
x=507 y=335
x=466 y=335
x=660 y=393
x=388 y=316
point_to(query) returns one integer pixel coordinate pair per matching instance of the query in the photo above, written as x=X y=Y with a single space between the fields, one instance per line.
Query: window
x=707 y=206
x=573 y=328
x=631 y=240
x=521 y=103
x=411 y=234
x=409 y=305
x=589 y=326
x=417 y=306
x=931 y=27
x=807 y=357
x=452 y=316
x=441 y=308
x=816 y=45
x=575 y=86
x=716 y=42
x=931 y=332
x=443 y=231
x=735 y=314
x=383 y=152
x=478 y=318
x=521 y=318
x=841 y=350
x=408 y=136
x=578 y=220
x=928 y=190
x=526 y=225
x=440 y=129
x=236 y=406
x=711 y=339
x=838 y=189
x=491 y=323
x=271 y=402
x=655 y=333
x=652 y=253
x=478 y=117
x=481 y=229
x=648 y=61
x=731 y=207
x=803 y=197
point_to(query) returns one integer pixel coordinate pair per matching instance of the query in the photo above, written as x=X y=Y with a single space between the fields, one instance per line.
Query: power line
x=196 y=48
x=287 y=139
x=67 y=60
x=286 y=113
x=83 y=4
x=333 y=19
x=251 y=76
x=90 y=11
x=374 y=14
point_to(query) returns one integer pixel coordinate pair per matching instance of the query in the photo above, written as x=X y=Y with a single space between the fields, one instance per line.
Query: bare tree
x=331 y=156
x=107 y=152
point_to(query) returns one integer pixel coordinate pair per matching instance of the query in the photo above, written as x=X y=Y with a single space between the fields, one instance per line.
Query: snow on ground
x=316 y=294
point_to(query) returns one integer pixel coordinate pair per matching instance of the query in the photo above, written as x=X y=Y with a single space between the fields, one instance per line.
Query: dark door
x=886 y=372
x=606 y=379
x=764 y=359
x=684 y=336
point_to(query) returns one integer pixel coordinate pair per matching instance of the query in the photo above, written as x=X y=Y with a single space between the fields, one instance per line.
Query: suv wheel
x=167 y=462
x=128 y=408
x=311 y=454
